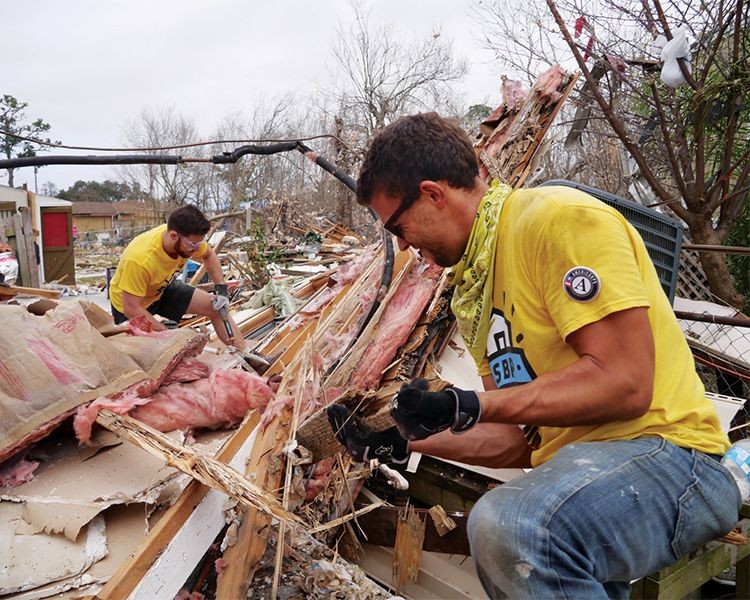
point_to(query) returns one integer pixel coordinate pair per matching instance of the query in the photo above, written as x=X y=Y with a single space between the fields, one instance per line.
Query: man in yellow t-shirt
x=562 y=310
x=145 y=281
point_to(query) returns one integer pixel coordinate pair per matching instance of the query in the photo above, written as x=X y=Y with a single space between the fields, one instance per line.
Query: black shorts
x=172 y=305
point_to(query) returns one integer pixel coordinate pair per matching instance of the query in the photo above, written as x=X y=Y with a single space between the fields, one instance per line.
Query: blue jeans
x=597 y=516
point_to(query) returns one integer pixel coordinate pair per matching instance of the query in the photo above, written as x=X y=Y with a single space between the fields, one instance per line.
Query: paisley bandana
x=472 y=295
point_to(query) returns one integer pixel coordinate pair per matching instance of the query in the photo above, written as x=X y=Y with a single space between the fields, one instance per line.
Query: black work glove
x=221 y=289
x=361 y=442
x=420 y=413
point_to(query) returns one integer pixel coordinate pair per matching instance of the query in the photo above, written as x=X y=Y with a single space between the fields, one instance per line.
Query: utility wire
x=176 y=147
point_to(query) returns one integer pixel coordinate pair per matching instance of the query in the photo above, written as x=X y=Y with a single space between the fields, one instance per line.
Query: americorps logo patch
x=581 y=284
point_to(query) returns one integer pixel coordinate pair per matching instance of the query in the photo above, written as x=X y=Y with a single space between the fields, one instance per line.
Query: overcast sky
x=88 y=67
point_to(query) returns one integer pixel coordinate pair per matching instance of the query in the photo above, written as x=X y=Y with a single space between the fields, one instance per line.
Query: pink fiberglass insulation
x=320 y=474
x=548 y=83
x=396 y=324
x=15 y=473
x=345 y=274
x=221 y=400
x=188 y=369
x=86 y=414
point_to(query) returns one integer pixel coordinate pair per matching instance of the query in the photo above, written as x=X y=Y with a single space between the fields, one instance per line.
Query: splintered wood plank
x=15 y=290
x=407 y=551
x=132 y=571
x=380 y=528
x=195 y=463
x=242 y=559
x=443 y=523
x=266 y=465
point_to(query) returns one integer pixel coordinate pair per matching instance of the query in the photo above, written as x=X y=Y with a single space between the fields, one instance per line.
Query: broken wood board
x=195 y=463
x=17 y=290
x=159 y=567
x=505 y=152
x=265 y=467
x=407 y=549
x=380 y=528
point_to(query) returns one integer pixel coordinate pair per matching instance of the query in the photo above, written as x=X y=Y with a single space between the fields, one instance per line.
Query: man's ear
x=434 y=191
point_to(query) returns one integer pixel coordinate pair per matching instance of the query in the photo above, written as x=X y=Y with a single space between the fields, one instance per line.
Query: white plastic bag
x=8 y=267
x=677 y=47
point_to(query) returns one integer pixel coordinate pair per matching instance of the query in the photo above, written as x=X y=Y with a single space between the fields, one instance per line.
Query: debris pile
x=155 y=504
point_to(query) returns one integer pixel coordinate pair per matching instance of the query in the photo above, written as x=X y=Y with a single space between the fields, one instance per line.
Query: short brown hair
x=412 y=149
x=188 y=220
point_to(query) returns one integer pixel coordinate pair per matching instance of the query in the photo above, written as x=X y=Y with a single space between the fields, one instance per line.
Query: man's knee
x=496 y=525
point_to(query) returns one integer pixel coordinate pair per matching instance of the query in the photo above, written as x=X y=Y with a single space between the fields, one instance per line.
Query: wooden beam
x=205 y=469
x=16 y=290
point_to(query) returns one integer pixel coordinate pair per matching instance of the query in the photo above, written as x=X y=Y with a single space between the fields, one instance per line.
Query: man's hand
x=219 y=303
x=420 y=413
x=364 y=444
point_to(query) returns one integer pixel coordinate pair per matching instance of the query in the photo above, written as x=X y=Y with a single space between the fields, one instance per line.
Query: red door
x=57 y=244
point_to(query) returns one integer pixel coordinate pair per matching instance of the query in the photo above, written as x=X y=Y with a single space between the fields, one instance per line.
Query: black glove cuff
x=401 y=452
x=222 y=289
x=468 y=410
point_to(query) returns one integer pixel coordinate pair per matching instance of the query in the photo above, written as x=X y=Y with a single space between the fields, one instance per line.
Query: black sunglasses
x=391 y=225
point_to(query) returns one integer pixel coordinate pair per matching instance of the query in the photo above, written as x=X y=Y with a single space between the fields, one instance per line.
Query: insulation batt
x=12 y=475
x=220 y=400
x=396 y=324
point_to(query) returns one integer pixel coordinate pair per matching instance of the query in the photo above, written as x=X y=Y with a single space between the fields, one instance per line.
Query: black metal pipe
x=237 y=153
x=332 y=168
x=116 y=159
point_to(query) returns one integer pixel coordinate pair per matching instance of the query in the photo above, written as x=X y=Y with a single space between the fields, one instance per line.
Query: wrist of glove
x=221 y=289
x=361 y=442
x=420 y=413
x=219 y=302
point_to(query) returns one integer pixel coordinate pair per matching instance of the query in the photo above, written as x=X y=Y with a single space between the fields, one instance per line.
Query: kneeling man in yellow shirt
x=145 y=282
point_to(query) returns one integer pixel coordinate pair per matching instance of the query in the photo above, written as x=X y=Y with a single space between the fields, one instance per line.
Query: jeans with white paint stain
x=597 y=516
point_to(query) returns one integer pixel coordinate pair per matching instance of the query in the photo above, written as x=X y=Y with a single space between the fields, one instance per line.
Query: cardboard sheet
x=71 y=488
x=28 y=561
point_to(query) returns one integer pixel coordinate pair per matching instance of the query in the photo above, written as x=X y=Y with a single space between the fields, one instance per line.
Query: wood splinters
x=407 y=550
x=443 y=523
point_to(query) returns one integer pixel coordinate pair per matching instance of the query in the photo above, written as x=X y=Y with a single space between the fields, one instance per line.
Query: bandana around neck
x=472 y=294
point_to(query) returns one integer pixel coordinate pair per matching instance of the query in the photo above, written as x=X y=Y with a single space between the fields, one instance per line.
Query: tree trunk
x=715 y=265
x=10 y=177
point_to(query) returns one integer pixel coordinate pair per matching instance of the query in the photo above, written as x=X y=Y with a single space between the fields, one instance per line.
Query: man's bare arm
x=611 y=380
x=134 y=311
x=213 y=266
x=497 y=445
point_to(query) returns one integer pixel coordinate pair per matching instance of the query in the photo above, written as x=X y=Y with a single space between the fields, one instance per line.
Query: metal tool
x=256 y=361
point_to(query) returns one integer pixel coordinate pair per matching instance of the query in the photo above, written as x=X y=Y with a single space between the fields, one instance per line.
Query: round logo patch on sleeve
x=581 y=284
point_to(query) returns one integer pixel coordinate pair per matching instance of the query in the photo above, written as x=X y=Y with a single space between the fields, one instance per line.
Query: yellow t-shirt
x=145 y=269
x=564 y=260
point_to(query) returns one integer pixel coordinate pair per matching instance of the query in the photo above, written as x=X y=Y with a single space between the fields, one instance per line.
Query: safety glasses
x=190 y=246
x=392 y=224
